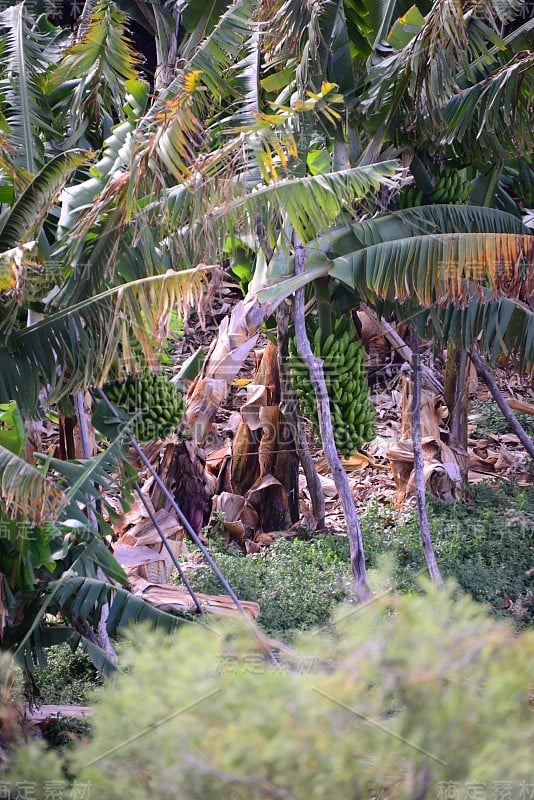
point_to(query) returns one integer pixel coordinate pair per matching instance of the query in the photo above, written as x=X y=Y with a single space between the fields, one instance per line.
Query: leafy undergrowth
x=297 y=583
x=68 y=676
x=489 y=418
x=486 y=543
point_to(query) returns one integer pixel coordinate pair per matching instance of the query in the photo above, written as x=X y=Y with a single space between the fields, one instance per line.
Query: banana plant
x=467 y=114
x=460 y=263
x=52 y=556
x=51 y=553
x=218 y=150
x=424 y=258
x=449 y=83
x=172 y=169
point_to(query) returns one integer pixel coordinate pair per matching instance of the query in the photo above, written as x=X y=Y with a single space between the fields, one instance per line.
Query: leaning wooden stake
x=497 y=395
x=315 y=367
x=402 y=349
x=418 y=464
x=456 y=396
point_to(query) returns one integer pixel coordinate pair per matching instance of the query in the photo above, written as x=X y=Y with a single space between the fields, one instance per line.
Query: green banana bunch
x=410 y=197
x=353 y=415
x=452 y=187
x=157 y=406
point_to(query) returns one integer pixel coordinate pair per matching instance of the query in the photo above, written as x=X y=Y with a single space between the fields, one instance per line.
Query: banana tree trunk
x=263 y=446
x=238 y=334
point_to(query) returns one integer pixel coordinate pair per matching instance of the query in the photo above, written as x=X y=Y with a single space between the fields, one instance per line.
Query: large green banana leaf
x=472 y=265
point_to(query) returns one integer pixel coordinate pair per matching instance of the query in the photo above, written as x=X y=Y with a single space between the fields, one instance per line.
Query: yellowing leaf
x=405 y=28
x=192 y=80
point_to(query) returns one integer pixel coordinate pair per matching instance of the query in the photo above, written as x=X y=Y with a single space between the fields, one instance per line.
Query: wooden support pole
x=288 y=409
x=418 y=464
x=497 y=395
x=315 y=368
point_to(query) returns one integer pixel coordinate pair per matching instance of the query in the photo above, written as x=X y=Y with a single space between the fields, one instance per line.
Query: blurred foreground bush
x=406 y=697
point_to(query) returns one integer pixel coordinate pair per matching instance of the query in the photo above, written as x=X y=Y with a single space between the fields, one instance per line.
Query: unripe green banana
x=346 y=382
x=327 y=346
x=157 y=408
x=352 y=351
x=317 y=343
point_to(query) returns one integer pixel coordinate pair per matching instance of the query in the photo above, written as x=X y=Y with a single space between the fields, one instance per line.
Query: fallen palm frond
x=167 y=597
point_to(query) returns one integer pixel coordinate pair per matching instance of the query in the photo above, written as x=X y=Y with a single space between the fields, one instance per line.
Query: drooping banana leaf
x=87 y=336
x=498 y=327
x=116 y=153
x=23 y=221
x=460 y=257
x=102 y=57
x=419 y=221
x=79 y=600
x=439 y=267
x=95 y=479
x=410 y=88
x=26 y=58
x=26 y=492
x=222 y=47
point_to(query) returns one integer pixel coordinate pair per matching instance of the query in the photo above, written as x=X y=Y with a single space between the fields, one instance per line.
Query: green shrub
x=486 y=543
x=489 y=418
x=296 y=583
x=68 y=677
x=405 y=696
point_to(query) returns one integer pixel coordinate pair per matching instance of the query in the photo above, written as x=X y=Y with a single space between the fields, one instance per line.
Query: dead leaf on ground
x=168 y=597
x=143 y=561
x=143 y=535
x=327 y=484
x=482 y=465
x=356 y=461
x=507 y=461
x=228 y=505
x=520 y=405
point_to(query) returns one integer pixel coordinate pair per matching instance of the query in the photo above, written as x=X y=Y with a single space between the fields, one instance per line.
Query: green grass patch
x=486 y=543
x=489 y=418
x=68 y=677
x=296 y=582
